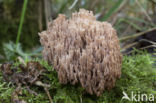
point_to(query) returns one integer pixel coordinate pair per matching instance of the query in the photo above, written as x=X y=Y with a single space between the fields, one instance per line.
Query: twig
x=135 y=43
x=139 y=48
x=21 y=60
x=146 y=14
x=31 y=91
x=154 y=43
x=136 y=35
x=128 y=46
x=46 y=90
x=39 y=83
x=148 y=46
x=15 y=95
x=45 y=86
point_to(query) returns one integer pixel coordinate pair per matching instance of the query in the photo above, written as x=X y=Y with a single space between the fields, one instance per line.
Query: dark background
x=127 y=17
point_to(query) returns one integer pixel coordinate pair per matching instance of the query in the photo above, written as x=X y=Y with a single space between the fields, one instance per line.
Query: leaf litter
x=24 y=75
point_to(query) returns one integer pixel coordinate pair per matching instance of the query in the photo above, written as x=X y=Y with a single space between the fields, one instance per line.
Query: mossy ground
x=138 y=74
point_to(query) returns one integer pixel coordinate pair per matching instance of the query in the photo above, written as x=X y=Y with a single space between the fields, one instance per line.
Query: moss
x=138 y=74
x=5 y=91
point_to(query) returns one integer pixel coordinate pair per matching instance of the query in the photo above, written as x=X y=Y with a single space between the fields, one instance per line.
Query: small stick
x=148 y=46
x=136 y=35
x=154 y=43
x=45 y=86
x=46 y=90
x=21 y=60
x=128 y=46
x=148 y=17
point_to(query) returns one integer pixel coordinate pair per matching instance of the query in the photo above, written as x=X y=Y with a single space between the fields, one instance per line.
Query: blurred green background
x=24 y=19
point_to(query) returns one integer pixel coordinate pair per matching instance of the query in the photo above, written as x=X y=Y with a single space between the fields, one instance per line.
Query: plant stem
x=21 y=21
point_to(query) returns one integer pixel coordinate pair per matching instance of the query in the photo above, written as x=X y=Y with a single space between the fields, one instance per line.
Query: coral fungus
x=83 y=50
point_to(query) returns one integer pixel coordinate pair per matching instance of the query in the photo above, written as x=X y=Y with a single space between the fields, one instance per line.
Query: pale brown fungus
x=84 y=50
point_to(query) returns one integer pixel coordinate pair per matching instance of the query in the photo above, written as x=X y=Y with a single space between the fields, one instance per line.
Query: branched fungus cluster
x=83 y=50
